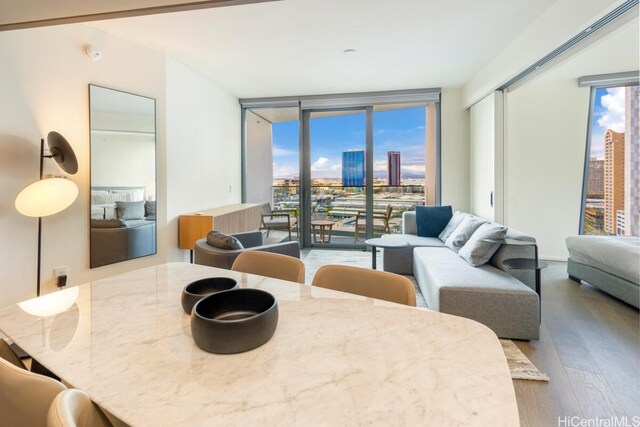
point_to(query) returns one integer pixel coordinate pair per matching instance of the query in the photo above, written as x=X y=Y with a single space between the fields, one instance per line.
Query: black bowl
x=195 y=291
x=234 y=321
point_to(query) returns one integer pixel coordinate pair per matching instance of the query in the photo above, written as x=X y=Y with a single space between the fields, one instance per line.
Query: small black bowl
x=195 y=291
x=234 y=321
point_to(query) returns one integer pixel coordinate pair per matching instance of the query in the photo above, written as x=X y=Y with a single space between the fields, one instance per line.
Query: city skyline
x=608 y=113
x=394 y=130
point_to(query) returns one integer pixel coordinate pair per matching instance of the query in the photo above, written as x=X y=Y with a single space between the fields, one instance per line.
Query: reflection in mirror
x=123 y=176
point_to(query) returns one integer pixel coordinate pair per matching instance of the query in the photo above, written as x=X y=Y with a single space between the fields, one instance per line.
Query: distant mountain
x=409 y=175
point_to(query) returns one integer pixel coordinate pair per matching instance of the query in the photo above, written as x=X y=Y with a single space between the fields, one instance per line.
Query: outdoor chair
x=279 y=219
x=380 y=222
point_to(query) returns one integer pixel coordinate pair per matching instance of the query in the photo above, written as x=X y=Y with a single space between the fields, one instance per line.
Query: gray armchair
x=206 y=254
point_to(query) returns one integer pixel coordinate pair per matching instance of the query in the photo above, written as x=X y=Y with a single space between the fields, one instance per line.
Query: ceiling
x=295 y=47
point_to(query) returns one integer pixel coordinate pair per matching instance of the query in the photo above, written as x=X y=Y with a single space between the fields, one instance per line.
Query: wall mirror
x=123 y=176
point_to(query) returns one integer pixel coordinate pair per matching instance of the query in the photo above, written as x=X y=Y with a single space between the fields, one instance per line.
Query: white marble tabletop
x=335 y=358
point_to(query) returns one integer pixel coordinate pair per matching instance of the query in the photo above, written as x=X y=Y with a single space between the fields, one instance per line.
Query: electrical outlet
x=60 y=271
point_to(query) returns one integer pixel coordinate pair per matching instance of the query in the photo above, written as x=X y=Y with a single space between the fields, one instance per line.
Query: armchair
x=280 y=219
x=205 y=254
x=380 y=221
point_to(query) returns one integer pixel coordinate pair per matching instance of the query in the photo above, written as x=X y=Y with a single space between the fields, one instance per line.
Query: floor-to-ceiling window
x=611 y=203
x=349 y=171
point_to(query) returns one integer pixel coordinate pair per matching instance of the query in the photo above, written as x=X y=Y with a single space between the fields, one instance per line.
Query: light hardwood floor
x=590 y=348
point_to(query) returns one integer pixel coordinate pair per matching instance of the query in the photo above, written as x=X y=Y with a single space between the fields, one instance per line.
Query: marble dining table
x=335 y=358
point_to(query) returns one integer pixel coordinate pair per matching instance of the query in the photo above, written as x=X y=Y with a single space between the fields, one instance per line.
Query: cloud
x=320 y=164
x=613 y=115
x=279 y=151
x=284 y=171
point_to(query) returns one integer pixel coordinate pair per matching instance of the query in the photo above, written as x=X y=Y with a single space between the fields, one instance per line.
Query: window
x=611 y=204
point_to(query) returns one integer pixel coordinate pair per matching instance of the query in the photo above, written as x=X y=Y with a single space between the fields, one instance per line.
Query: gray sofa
x=206 y=254
x=504 y=300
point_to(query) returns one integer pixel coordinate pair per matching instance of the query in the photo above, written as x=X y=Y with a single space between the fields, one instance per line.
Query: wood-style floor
x=590 y=348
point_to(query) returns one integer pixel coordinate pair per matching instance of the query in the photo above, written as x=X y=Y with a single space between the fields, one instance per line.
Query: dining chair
x=7 y=353
x=271 y=265
x=369 y=283
x=25 y=397
x=74 y=408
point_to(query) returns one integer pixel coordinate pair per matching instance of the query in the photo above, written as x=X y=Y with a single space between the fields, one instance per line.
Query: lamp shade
x=46 y=197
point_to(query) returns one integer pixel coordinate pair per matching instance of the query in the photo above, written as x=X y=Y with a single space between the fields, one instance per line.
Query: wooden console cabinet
x=226 y=219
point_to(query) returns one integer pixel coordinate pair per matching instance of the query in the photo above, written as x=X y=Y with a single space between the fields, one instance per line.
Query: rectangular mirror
x=123 y=176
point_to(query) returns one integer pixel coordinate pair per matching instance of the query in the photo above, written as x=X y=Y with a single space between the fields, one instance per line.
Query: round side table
x=388 y=243
x=323 y=225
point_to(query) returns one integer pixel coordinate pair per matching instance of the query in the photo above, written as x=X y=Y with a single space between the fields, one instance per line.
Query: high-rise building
x=393 y=168
x=352 y=168
x=613 y=179
x=595 y=186
x=632 y=162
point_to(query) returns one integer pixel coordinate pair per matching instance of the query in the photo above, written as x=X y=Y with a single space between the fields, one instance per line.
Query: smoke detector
x=92 y=52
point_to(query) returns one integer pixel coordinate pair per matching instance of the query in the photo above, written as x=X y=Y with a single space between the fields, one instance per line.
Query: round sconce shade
x=46 y=197
x=51 y=304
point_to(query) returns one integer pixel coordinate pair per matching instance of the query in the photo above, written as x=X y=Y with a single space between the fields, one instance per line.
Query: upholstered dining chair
x=25 y=397
x=7 y=353
x=74 y=408
x=369 y=283
x=279 y=219
x=271 y=265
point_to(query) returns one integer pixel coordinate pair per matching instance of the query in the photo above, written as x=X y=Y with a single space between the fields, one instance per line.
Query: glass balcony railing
x=346 y=206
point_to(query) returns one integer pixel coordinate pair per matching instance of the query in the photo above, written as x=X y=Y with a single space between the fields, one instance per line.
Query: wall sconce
x=50 y=195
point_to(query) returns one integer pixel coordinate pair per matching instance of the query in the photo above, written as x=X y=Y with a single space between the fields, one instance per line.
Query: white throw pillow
x=477 y=251
x=455 y=221
x=463 y=232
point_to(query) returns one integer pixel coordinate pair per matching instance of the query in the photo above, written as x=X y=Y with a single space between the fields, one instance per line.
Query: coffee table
x=323 y=224
x=387 y=243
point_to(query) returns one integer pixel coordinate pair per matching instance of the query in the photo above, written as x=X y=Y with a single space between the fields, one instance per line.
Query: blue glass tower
x=352 y=168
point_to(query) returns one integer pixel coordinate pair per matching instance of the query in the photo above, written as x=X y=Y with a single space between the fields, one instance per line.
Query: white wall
x=563 y=20
x=454 y=158
x=203 y=158
x=44 y=85
x=485 y=157
x=123 y=160
x=545 y=144
x=259 y=172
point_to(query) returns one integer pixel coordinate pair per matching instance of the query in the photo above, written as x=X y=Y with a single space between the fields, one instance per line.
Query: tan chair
x=74 y=408
x=366 y=282
x=280 y=219
x=25 y=397
x=7 y=353
x=271 y=265
x=380 y=222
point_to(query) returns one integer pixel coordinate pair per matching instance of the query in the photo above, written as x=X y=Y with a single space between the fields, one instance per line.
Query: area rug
x=520 y=366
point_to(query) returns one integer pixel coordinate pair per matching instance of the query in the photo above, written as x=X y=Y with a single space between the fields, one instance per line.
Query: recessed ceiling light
x=349 y=51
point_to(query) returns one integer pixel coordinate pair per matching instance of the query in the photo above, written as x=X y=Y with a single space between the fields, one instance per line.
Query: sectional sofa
x=502 y=299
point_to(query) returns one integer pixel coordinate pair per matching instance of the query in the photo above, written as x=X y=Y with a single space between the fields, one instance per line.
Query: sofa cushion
x=477 y=251
x=107 y=223
x=455 y=220
x=223 y=241
x=431 y=220
x=463 y=232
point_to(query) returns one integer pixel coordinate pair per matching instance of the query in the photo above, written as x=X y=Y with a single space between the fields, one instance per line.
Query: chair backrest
x=389 y=210
x=266 y=208
x=269 y=264
x=74 y=408
x=366 y=282
x=25 y=397
x=9 y=355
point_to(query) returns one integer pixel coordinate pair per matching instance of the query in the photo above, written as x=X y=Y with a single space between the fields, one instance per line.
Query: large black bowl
x=195 y=291
x=234 y=321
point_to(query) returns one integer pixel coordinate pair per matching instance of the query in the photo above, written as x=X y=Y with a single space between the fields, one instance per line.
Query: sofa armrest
x=409 y=224
x=285 y=248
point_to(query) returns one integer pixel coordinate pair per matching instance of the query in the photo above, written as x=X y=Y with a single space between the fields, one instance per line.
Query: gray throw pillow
x=455 y=221
x=130 y=210
x=223 y=241
x=478 y=252
x=463 y=232
x=150 y=208
x=107 y=223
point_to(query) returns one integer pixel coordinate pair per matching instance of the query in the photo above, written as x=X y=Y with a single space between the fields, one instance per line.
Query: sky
x=608 y=113
x=394 y=130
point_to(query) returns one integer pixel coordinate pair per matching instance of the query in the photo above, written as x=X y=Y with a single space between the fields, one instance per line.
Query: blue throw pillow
x=431 y=220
